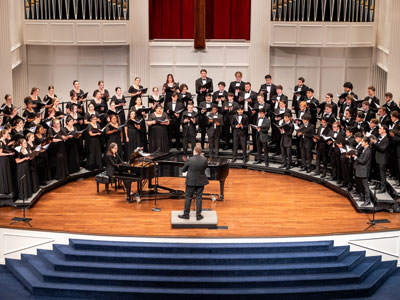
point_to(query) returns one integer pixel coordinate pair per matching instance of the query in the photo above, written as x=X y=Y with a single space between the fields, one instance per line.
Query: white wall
x=60 y=65
x=325 y=69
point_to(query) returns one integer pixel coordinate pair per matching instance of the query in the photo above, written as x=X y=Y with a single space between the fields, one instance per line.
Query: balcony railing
x=76 y=9
x=323 y=10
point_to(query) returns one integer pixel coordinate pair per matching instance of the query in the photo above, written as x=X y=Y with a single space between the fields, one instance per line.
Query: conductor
x=196 y=179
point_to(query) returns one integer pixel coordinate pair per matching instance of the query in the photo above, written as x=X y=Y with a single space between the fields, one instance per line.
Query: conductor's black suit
x=196 y=179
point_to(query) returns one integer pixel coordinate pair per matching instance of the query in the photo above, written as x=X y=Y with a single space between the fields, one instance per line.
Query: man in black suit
x=268 y=89
x=323 y=132
x=228 y=111
x=384 y=118
x=189 y=122
x=214 y=131
x=262 y=126
x=204 y=85
x=372 y=100
x=286 y=141
x=204 y=109
x=390 y=105
x=174 y=111
x=220 y=96
x=279 y=97
x=366 y=109
x=362 y=169
x=380 y=147
x=237 y=86
x=312 y=105
x=240 y=123
x=196 y=179
x=299 y=93
x=305 y=134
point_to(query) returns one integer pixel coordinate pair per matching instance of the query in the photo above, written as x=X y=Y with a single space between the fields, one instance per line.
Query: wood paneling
x=256 y=204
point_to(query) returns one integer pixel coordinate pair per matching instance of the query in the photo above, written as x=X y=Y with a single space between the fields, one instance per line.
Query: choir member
x=373 y=101
x=120 y=102
x=214 y=131
x=135 y=91
x=361 y=125
x=279 y=97
x=169 y=87
x=7 y=109
x=373 y=128
x=336 y=134
x=323 y=133
x=278 y=117
x=114 y=133
x=24 y=175
x=228 y=111
x=71 y=140
x=174 y=111
x=73 y=101
x=299 y=94
x=91 y=111
x=113 y=160
x=358 y=138
x=260 y=105
x=204 y=109
x=390 y=105
x=262 y=126
x=347 y=120
x=58 y=162
x=31 y=147
x=36 y=99
x=240 y=123
x=42 y=160
x=349 y=105
x=100 y=106
x=219 y=96
x=77 y=89
x=328 y=114
x=247 y=97
x=362 y=169
x=204 y=86
x=105 y=95
x=185 y=97
x=18 y=131
x=94 y=161
x=286 y=130
x=384 y=118
x=48 y=99
x=189 y=122
x=58 y=111
x=368 y=112
x=141 y=114
x=394 y=133
x=268 y=89
x=305 y=134
x=380 y=147
x=29 y=114
x=237 y=86
x=155 y=99
x=312 y=105
x=132 y=133
x=158 y=132
x=348 y=90
x=6 y=183
x=328 y=100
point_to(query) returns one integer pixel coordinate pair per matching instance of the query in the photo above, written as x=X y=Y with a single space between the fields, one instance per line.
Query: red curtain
x=225 y=19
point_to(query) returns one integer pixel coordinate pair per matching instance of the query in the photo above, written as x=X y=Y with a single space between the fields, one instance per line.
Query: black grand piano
x=143 y=169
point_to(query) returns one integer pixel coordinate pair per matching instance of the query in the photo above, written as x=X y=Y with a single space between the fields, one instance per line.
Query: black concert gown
x=42 y=163
x=58 y=162
x=71 y=145
x=94 y=150
x=24 y=184
x=134 y=139
x=114 y=138
x=6 y=183
x=158 y=134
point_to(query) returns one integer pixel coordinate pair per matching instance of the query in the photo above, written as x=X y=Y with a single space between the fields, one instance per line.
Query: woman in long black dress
x=100 y=106
x=71 y=145
x=132 y=133
x=105 y=95
x=42 y=160
x=158 y=134
x=7 y=109
x=24 y=178
x=135 y=91
x=113 y=160
x=169 y=87
x=141 y=115
x=30 y=140
x=48 y=99
x=57 y=153
x=120 y=102
x=94 y=146
x=36 y=99
x=6 y=184
x=114 y=133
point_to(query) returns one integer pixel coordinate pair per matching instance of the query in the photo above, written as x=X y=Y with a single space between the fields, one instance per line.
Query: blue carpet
x=117 y=270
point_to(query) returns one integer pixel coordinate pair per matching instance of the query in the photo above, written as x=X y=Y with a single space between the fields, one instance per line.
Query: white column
x=259 y=49
x=394 y=51
x=139 y=47
x=5 y=51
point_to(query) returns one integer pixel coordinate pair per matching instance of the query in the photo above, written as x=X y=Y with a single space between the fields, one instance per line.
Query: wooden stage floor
x=257 y=204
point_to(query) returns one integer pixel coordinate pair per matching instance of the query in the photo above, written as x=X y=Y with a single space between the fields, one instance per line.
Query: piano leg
x=128 y=187
x=221 y=190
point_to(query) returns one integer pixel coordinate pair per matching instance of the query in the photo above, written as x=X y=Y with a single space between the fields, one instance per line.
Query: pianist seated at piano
x=158 y=132
x=113 y=161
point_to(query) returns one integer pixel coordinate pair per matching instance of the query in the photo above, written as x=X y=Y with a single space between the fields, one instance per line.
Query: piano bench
x=102 y=178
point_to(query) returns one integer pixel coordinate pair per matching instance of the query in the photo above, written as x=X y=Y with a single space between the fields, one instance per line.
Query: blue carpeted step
x=201 y=247
x=56 y=262
x=358 y=274
x=117 y=292
x=71 y=254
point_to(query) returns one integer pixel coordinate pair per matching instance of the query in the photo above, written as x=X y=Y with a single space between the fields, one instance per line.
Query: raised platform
x=210 y=220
